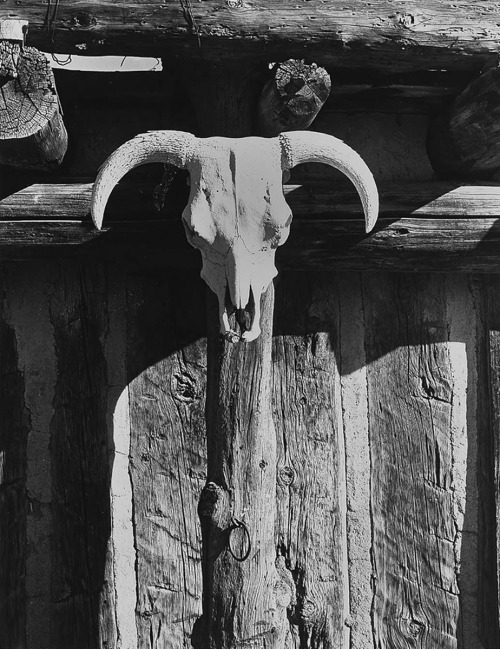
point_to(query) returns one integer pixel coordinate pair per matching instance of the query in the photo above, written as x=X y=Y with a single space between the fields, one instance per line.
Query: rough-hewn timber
x=307 y=412
x=14 y=424
x=166 y=362
x=80 y=462
x=377 y=35
x=417 y=444
x=427 y=226
x=464 y=141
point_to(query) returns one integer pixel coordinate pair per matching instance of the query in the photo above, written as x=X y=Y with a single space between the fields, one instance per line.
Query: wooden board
x=416 y=494
x=13 y=495
x=83 y=596
x=166 y=355
x=310 y=474
x=422 y=226
x=377 y=35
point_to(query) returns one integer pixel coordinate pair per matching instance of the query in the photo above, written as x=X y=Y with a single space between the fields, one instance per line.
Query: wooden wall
x=381 y=403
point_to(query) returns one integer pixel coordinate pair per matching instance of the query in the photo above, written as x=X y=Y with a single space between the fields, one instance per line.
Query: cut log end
x=32 y=132
x=292 y=98
x=464 y=141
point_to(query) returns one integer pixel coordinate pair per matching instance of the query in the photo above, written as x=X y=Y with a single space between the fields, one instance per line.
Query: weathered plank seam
x=123 y=545
x=462 y=318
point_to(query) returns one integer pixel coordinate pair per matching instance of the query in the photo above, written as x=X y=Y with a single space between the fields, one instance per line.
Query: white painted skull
x=236 y=214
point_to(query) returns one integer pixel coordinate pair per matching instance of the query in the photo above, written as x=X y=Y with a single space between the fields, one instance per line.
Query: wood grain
x=307 y=415
x=422 y=226
x=413 y=462
x=292 y=97
x=14 y=426
x=377 y=35
x=32 y=131
x=80 y=461
x=166 y=358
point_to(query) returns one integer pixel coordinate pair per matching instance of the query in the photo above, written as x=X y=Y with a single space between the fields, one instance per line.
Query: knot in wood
x=214 y=505
x=286 y=476
x=311 y=614
x=185 y=388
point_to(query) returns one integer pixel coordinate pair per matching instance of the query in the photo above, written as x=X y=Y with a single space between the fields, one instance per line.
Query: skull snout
x=242 y=295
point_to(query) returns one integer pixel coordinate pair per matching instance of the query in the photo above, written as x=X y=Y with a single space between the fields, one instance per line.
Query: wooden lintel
x=422 y=227
x=377 y=35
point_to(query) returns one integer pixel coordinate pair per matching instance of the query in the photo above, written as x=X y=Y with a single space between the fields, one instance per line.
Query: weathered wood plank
x=14 y=426
x=246 y=584
x=415 y=462
x=166 y=357
x=423 y=226
x=27 y=311
x=311 y=490
x=363 y=34
x=84 y=614
x=357 y=459
x=70 y=201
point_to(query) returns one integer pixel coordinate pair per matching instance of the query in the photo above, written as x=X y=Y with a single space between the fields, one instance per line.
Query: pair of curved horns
x=175 y=147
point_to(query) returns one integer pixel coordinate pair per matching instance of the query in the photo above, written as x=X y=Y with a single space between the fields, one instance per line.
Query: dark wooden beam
x=464 y=140
x=422 y=227
x=422 y=93
x=375 y=35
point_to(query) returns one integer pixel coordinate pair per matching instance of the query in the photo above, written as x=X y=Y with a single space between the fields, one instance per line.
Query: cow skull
x=236 y=215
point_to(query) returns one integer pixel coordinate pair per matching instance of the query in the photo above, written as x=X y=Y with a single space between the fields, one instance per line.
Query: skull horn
x=307 y=146
x=170 y=147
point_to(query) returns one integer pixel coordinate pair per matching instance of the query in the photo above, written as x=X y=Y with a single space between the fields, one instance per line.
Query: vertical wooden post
x=245 y=591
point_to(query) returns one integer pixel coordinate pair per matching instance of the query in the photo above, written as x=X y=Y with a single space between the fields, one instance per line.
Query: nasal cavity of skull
x=243 y=318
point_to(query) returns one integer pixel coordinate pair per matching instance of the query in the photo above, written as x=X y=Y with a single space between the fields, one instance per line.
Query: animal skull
x=236 y=215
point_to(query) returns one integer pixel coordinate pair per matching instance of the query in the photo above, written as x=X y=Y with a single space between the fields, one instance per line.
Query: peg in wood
x=237 y=214
x=32 y=132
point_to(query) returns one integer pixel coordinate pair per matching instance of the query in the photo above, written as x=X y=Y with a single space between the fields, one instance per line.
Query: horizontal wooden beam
x=420 y=93
x=375 y=34
x=422 y=227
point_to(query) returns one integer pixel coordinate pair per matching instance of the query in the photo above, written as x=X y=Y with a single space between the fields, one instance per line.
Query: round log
x=32 y=132
x=292 y=98
x=464 y=141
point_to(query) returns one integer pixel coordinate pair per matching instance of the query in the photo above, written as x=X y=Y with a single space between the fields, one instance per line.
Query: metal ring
x=237 y=524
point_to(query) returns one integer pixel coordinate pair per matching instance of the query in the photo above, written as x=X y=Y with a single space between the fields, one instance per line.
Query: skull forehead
x=240 y=182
